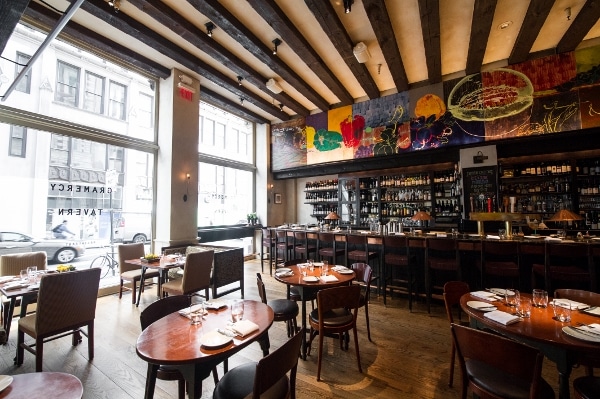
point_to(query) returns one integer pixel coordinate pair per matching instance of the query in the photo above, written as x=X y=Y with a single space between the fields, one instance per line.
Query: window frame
x=25 y=80
x=23 y=138
x=86 y=92
x=59 y=83
x=112 y=101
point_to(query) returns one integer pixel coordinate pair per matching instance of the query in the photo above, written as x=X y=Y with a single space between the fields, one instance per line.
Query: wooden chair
x=500 y=261
x=357 y=249
x=336 y=313
x=283 y=309
x=364 y=278
x=497 y=367
x=157 y=310
x=285 y=246
x=302 y=246
x=327 y=247
x=441 y=260
x=265 y=379
x=269 y=241
x=587 y=387
x=567 y=265
x=66 y=302
x=132 y=273
x=196 y=275
x=396 y=257
x=453 y=290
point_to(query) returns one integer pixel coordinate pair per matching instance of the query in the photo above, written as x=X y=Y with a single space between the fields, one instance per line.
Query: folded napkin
x=552 y=239
x=244 y=327
x=284 y=274
x=328 y=279
x=502 y=317
x=15 y=285
x=593 y=328
x=492 y=237
x=215 y=305
x=365 y=232
x=318 y=264
x=574 y=305
x=490 y=296
x=34 y=286
x=4 y=279
x=339 y=268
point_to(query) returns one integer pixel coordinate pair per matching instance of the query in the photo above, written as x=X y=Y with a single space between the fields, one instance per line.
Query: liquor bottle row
x=405 y=181
x=320 y=211
x=321 y=196
x=331 y=184
x=406 y=195
x=401 y=210
x=556 y=185
x=588 y=187
x=447 y=176
x=537 y=169
x=443 y=191
x=447 y=207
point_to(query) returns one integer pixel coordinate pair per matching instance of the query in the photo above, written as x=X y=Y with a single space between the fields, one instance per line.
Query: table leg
x=303 y=306
x=150 y=381
x=137 y=303
x=194 y=374
x=8 y=316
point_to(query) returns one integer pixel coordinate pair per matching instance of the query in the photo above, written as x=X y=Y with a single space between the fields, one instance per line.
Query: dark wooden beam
x=481 y=25
x=382 y=26
x=430 y=26
x=223 y=19
x=43 y=18
x=232 y=107
x=335 y=31
x=581 y=25
x=10 y=14
x=132 y=28
x=174 y=21
x=291 y=36
x=537 y=12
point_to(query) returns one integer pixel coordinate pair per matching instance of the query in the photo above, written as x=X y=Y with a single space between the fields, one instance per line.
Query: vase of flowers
x=252 y=218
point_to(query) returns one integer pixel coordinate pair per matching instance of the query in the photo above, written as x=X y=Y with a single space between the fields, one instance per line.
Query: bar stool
x=441 y=260
x=396 y=256
x=284 y=246
x=302 y=246
x=268 y=240
x=357 y=251
x=568 y=264
x=326 y=247
x=500 y=260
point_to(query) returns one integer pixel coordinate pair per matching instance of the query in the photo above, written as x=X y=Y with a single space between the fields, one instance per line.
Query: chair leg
x=181 y=389
x=90 y=337
x=20 y=350
x=121 y=289
x=133 y=290
x=151 y=381
x=39 y=354
x=357 y=351
x=367 y=319
x=320 y=356
x=215 y=375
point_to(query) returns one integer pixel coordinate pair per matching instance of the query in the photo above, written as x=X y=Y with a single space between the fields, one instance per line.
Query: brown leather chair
x=66 y=302
x=500 y=261
x=196 y=275
x=283 y=309
x=132 y=273
x=489 y=361
x=265 y=379
x=453 y=290
x=396 y=258
x=327 y=247
x=303 y=247
x=336 y=313
x=364 y=278
x=565 y=266
x=441 y=261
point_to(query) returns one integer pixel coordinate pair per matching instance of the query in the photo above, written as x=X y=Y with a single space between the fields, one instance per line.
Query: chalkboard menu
x=480 y=186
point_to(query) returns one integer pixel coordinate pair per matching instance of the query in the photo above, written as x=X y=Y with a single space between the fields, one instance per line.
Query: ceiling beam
x=43 y=18
x=382 y=26
x=10 y=14
x=536 y=15
x=231 y=106
x=290 y=35
x=134 y=29
x=581 y=25
x=481 y=25
x=430 y=26
x=335 y=31
x=222 y=18
x=170 y=18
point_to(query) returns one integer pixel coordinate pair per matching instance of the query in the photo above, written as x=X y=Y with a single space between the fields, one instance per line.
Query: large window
x=18 y=141
x=145 y=110
x=67 y=84
x=93 y=97
x=225 y=135
x=24 y=84
x=116 y=101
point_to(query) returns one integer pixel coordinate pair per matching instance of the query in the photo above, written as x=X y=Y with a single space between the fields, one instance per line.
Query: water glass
x=24 y=276
x=302 y=269
x=196 y=317
x=32 y=274
x=237 y=310
x=524 y=308
x=540 y=298
x=311 y=266
x=562 y=312
x=325 y=268
x=512 y=298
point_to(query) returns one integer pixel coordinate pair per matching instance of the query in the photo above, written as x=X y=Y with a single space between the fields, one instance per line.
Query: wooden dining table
x=162 y=267
x=298 y=280
x=541 y=331
x=46 y=384
x=27 y=295
x=174 y=341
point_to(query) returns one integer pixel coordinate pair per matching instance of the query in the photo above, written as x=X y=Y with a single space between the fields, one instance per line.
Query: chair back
x=507 y=357
x=129 y=251
x=196 y=272
x=161 y=308
x=588 y=297
x=326 y=237
x=275 y=365
x=364 y=275
x=359 y=241
x=294 y=262
x=453 y=290
x=336 y=298
x=396 y=242
x=66 y=300
x=262 y=292
x=12 y=264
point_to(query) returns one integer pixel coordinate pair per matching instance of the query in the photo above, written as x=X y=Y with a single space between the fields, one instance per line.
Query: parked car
x=57 y=250
x=134 y=227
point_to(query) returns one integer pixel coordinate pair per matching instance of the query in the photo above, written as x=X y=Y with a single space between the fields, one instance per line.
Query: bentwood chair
x=265 y=379
x=565 y=266
x=453 y=290
x=497 y=367
x=131 y=273
x=441 y=265
x=157 y=310
x=336 y=313
x=283 y=309
x=196 y=276
x=396 y=258
x=364 y=278
x=66 y=302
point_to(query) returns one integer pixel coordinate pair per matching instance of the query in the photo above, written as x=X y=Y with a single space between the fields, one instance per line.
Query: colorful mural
x=554 y=94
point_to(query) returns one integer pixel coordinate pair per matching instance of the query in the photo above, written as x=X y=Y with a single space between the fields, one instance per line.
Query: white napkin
x=365 y=232
x=339 y=268
x=329 y=278
x=595 y=328
x=552 y=239
x=285 y=274
x=15 y=285
x=244 y=327
x=502 y=317
x=4 y=279
x=490 y=296
x=593 y=310
x=215 y=305
x=574 y=305
x=492 y=237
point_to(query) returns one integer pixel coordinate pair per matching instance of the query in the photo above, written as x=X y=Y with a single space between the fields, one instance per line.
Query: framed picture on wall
x=277 y=198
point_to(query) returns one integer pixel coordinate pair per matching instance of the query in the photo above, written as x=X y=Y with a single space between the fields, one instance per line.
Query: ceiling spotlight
x=348 y=6
x=240 y=80
x=209 y=28
x=242 y=100
x=116 y=4
x=361 y=52
x=274 y=86
x=505 y=25
x=568 y=12
x=276 y=43
x=281 y=107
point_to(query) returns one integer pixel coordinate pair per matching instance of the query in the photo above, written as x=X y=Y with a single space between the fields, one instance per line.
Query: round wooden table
x=172 y=340
x=297 y=280
x=49 y=385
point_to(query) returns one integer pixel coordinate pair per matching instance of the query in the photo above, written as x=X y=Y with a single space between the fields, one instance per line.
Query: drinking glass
x=302 y=269
x=540 y=298
x=237 y=310
x=524 y=307
x=512 y=298
x=325 y=268
x=24 y=275
x=311 y=266
x=31 y=273
x=196 y=317
x=562 y=312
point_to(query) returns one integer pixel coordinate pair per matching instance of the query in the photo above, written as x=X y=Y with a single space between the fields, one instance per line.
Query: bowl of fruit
x=65 y=268
x=150 y=258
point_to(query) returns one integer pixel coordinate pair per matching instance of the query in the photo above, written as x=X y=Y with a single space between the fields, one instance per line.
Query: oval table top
x=298 y=280
x=173 y=340
x=49 y=385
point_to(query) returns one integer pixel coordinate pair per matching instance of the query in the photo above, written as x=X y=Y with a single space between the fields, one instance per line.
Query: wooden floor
x=408 y=358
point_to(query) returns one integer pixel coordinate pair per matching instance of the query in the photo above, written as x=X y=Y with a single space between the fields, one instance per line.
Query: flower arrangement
x=252 y=218
x=65 y=268
x=151 y=258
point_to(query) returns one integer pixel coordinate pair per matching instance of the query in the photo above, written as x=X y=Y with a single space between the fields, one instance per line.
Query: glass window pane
x=116 y=102
x=145 y=110
x=18 y=140
x=94 y=93
x=24 y=84
x=67 y=84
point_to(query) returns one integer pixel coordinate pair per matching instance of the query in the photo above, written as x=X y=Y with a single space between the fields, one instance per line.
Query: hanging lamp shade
x=421 y=215
x=564 y=215
x=332 y=216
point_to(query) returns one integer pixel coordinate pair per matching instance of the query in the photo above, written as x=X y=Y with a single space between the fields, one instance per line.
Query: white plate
x=283 y=270
x=483 y=306
x=5 y=381
x=501 y=291
x=310 y=279
x=214 y=339
x=347 y=271
x=591 y=337
x=317 y=264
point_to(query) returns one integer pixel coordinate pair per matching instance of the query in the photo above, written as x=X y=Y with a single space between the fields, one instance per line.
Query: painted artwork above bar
x=554 y=94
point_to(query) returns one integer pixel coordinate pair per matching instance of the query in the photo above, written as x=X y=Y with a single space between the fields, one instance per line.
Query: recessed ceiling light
x=505 y=25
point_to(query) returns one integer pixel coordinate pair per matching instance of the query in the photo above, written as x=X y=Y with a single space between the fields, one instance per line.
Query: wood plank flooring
x=408 y=358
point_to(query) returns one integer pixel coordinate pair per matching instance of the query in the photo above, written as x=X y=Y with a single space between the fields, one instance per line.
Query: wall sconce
x=361 y=52
x=479 y=158
x=568 y=12
x=274 y=86
x=239 y=78
x=187 y=187
x=276 y=43
x=209 y=28
x=348 y=6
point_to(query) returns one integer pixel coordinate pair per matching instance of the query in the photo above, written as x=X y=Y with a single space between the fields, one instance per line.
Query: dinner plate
x=310 y=279
x=5 y=381
x=317 y=264
x=283 y=270
x=575 y=333
x=501 y=291
x=482 y=306
x=347 y=271
x=214 y=339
